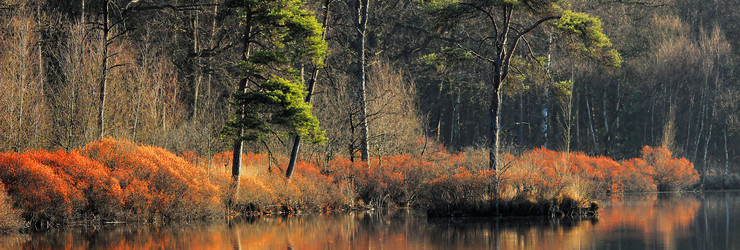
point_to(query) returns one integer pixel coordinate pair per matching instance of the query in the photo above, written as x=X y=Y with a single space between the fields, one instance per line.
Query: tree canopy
x=279 y=36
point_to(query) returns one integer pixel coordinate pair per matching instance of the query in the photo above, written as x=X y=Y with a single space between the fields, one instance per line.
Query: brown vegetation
x=10 y=219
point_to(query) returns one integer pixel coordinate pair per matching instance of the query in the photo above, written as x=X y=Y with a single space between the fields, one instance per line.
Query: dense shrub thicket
x=117 y=180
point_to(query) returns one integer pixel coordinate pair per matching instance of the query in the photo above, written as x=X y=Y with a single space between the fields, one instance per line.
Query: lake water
x=654 y=221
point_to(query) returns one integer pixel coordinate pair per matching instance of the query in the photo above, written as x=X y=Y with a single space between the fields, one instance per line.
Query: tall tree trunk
x=104 y=70
x=362 y=16
x=455 y=119
x=40 y=74
x=311 y=85
x=210 y=58
x=591 y=124
x=706 y=149
x=702 y=117
x=688 y=129
x=727 y=156
x=196 y=67
x=546 y=103
x=605 y=113
x=652 y=122
x=239 y=143
x=569 y=114
x=495 y=119
x=521 y=123
x=439 y=109
x=82 y=12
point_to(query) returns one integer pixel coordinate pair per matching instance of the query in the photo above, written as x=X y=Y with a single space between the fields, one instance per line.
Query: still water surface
x=690 y=221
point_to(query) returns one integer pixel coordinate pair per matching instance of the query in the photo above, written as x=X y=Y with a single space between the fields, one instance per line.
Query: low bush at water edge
x=116 y=180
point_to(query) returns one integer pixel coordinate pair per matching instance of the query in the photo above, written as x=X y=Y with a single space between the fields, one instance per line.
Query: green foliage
x=282 y=35
x=276 y=104
x=594 y=42
x=447 y=58
x=563 y=88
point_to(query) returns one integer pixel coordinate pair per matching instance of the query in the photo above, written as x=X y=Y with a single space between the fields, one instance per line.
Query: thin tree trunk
x=727 y=156
x=454 y=124
x=104 y=70
x=605 y=113
x=495 y=116
x=22 y=82
x=702 y=116
x=351 y=147
x=652 y=122
x=569 y=113
x=438 y=132
x=577 y=116
x=196 y=66
x=521 y=119
x=706 y=148
x=591 y=125
x=362 y=16
x=82 y=13
x=40 y=73
x=311 y=86
x=546 y=103
x=688 y=129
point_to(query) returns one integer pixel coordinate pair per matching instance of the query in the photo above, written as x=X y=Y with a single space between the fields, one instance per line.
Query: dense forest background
x=169 y=71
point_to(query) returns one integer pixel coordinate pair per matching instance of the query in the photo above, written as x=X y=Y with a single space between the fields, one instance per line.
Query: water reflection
x=706 y=221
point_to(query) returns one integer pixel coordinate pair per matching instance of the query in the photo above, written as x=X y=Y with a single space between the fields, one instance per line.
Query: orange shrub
x=94 y=188
x=669 y=173
x=163 y=183
x=38 y=189
x=114 y=179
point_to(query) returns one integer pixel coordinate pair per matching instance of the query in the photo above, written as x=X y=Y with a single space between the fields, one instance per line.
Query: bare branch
x=510 y=53
x=476 y=54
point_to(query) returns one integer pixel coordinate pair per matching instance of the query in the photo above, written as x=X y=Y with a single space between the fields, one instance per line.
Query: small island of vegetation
x=115 y=180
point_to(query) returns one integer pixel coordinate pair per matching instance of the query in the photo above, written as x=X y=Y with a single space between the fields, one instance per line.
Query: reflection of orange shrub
x=654 y=217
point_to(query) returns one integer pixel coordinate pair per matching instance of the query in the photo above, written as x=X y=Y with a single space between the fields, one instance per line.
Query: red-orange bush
x=54 y=186
x=35 y=187
x=156 y=181
x=669 y=173
x=96 y=191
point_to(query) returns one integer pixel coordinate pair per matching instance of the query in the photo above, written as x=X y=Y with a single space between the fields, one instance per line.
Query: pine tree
x=276 y=36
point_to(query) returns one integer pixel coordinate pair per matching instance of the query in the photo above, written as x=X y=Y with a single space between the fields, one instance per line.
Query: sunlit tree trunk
x=196 y=67
x=362 y=16
x=438 y=132
x=104 y=68
x=546 y=103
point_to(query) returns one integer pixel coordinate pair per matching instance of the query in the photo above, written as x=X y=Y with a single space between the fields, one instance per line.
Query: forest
x=110 y=109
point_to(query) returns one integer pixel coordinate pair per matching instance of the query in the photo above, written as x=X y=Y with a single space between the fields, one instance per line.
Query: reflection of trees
x=672 y=222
